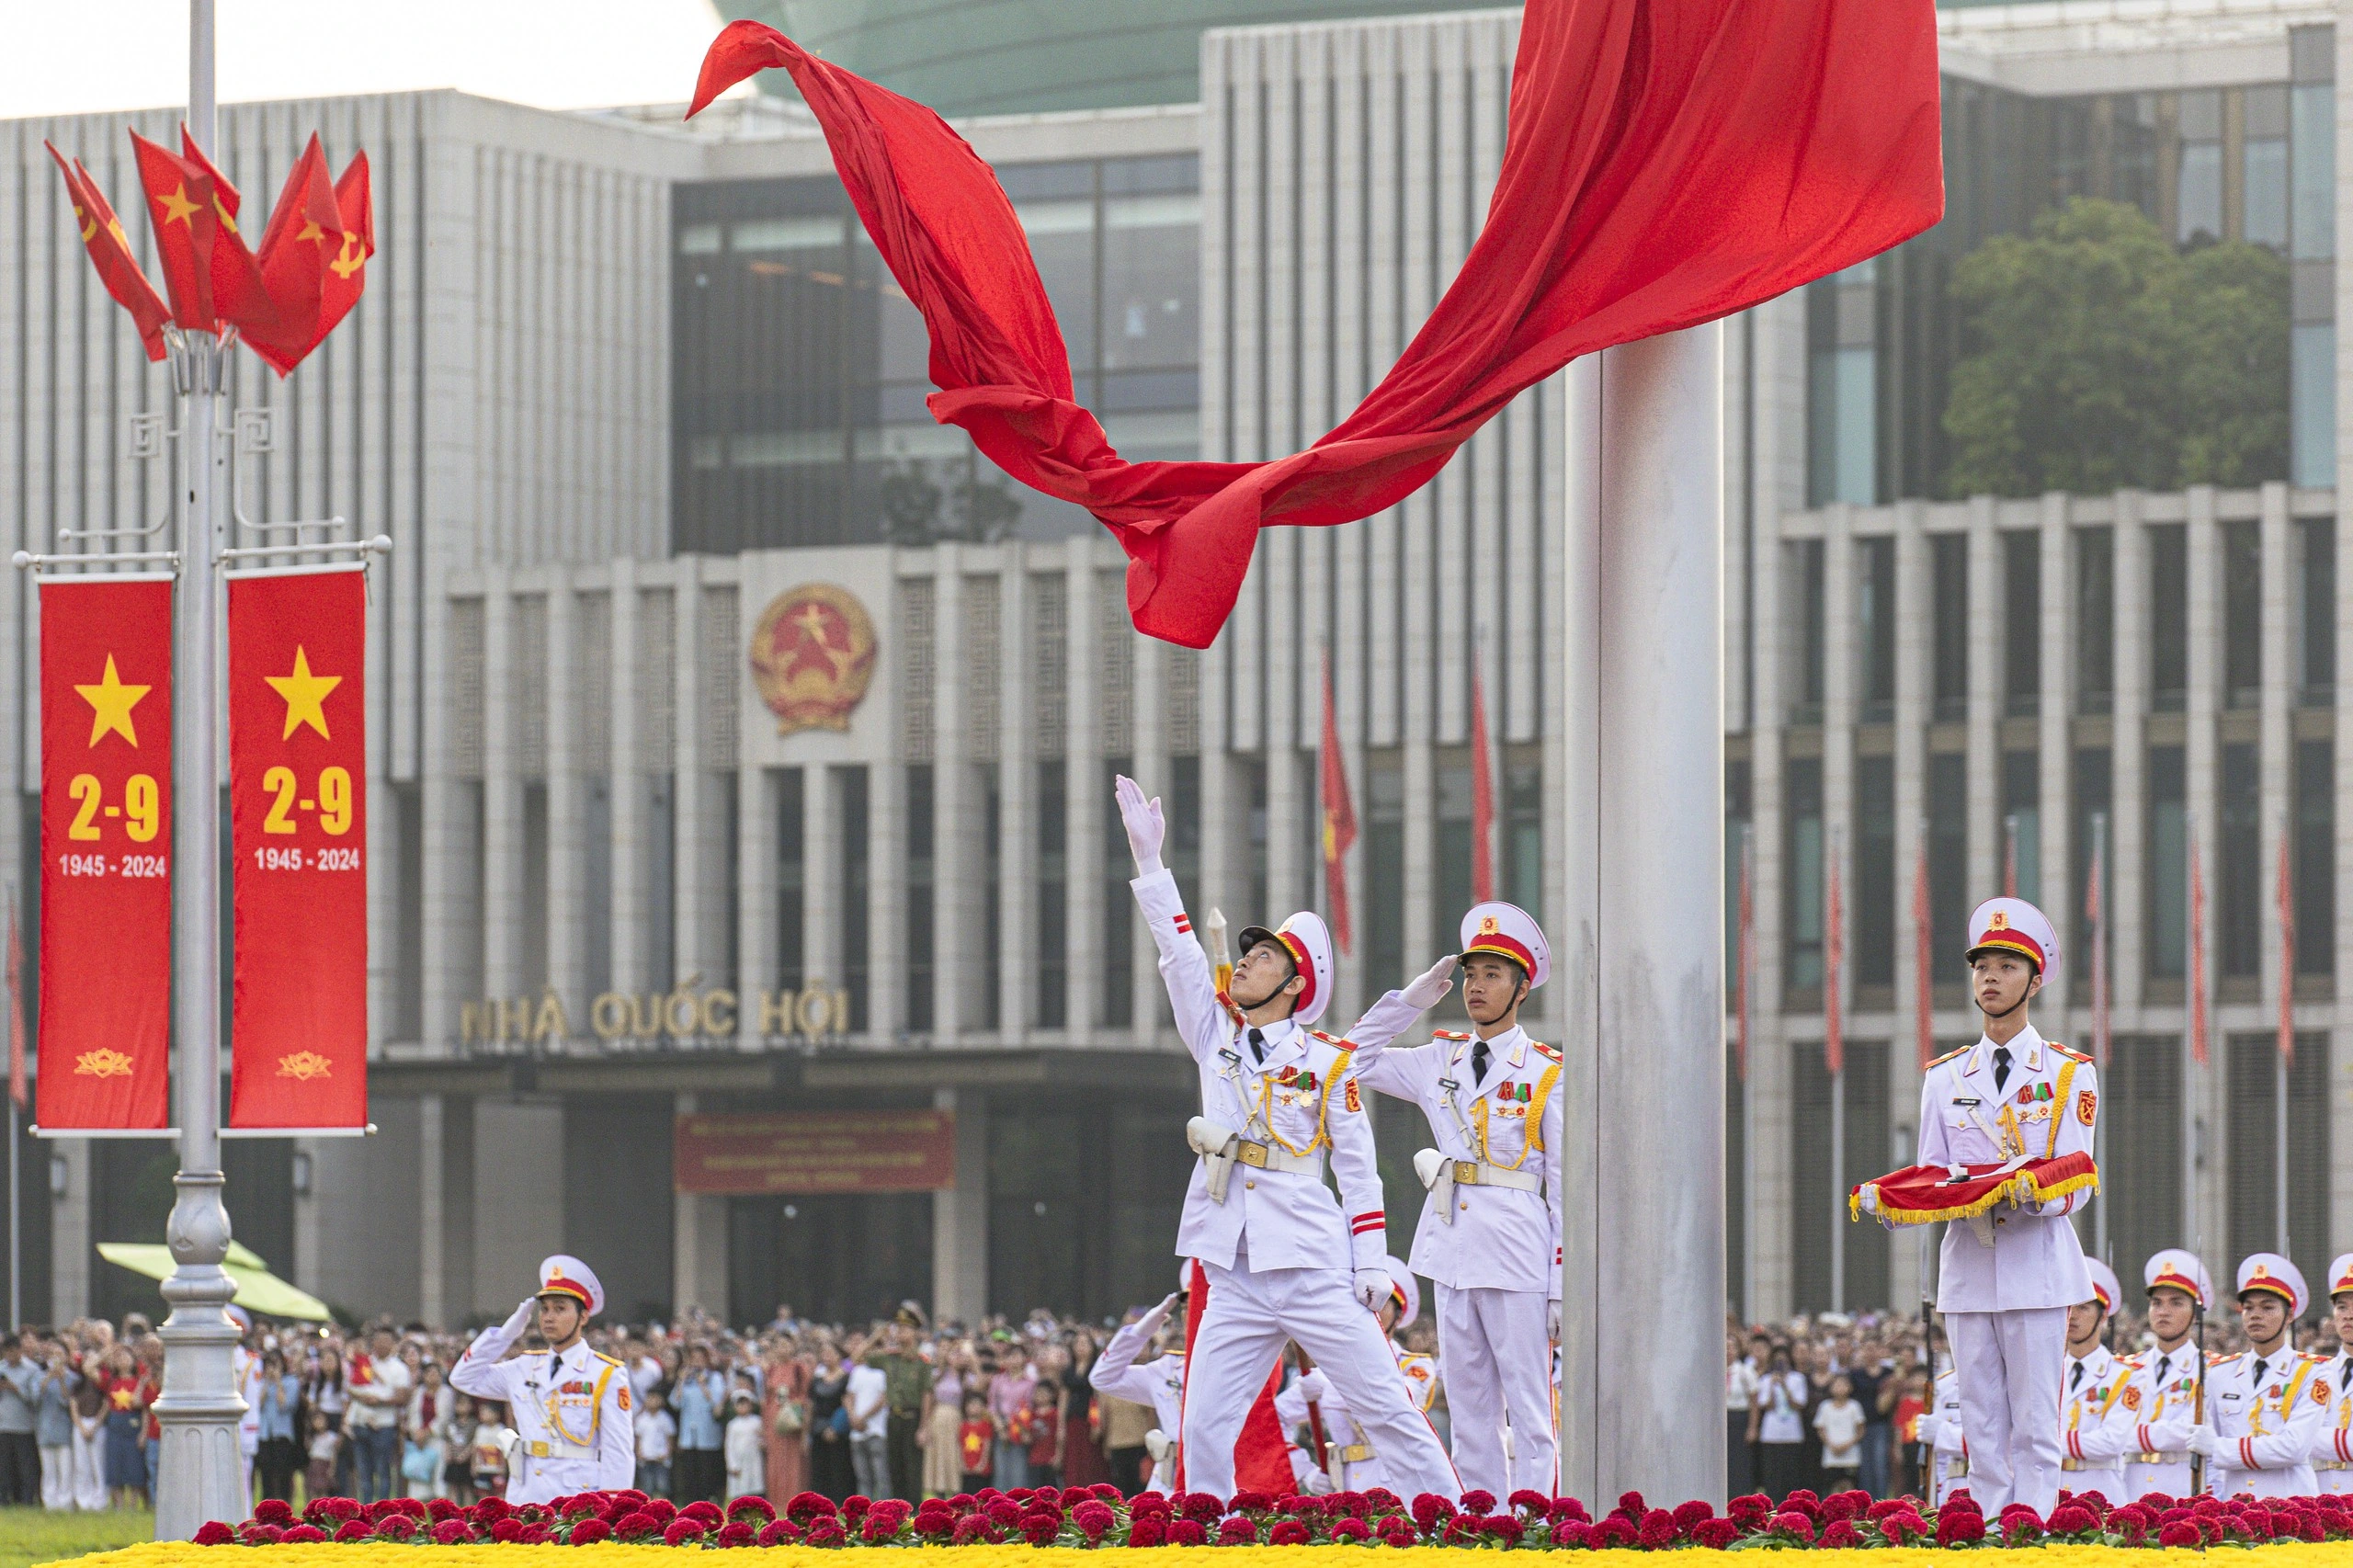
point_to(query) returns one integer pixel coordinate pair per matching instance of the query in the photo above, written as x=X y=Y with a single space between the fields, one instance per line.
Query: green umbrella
x=258 y=1290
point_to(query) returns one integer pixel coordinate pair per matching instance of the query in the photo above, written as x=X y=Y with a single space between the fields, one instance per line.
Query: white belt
x=1222 y=1148
x=2181 y=1458
x=1269 y=1157
x=1478 y=1173
x=1442 y=1176
x=2330 y=1464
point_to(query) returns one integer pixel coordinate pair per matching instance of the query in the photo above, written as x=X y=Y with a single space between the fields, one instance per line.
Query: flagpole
x=2096 y=898
x=2287 y=1042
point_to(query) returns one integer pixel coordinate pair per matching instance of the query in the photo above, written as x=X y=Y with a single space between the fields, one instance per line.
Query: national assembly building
x=749 y=912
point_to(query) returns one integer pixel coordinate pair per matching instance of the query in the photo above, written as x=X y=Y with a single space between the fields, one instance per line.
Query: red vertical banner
x=106 y=852
x=298 y=770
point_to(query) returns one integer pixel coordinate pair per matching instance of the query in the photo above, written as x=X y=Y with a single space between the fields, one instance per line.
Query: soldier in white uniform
x=2160 y=1398
x=2266 y=1405
x=1490 y=1232
x=1284 y=1261
x=569 y=1406
x=2004 y=1281
x=1354 y=1465
x=1126 y=1370
x=1939 y=1428
x=2333 y=1447
x=2093 y=1420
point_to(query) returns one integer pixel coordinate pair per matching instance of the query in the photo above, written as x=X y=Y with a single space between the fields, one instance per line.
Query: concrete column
x=1988 y=633
x=568 y=909
x=820 y=880
x=1642 y=1391
x=959 y=1214
x=2275 y=759
x=1084 y=796
x=432 y=1212
x=699 y=1246
x=2128 y=831
x=755 y=889
x=625 y=726
x=692 y=876
x=70 y=1242
x=886 y=898
x=501 y=798
x=2060 y=896
x=309 y=1253
x=2202 y=1099
x=954 y=814
x=1015 y=945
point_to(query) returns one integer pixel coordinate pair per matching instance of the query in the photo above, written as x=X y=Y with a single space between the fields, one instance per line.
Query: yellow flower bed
x=608 y=1555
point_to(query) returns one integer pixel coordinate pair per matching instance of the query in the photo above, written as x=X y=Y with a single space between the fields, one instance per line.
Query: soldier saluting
x=569 y=1404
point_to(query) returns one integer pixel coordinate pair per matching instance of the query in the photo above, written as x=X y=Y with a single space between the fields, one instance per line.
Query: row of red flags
x=299 y=833
x=1925 y=947
x=282 y=298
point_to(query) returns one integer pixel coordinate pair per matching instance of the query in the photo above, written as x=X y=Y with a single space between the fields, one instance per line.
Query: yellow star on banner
x=305 y=695
x=178 y=207
x=110 y=704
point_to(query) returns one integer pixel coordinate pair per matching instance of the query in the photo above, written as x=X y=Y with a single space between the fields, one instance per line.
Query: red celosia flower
x=213 y=1532
x=1150 y=1530
x=782 y=1532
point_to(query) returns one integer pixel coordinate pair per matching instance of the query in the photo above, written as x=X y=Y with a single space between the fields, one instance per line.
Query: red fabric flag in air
x=105 y=842
x=1482 y=794
x=180 y=208
x=1339 y=821
x=298 y=770
x=347 y=274
x=15 y=1008
x=109 y=250
x=2197 y=950
x=1924 y=954
x=2096 y=924
x=1833 y=960
x=1261 y=1453
x=1664 y=164
x=2287 y=956
x=239 y=297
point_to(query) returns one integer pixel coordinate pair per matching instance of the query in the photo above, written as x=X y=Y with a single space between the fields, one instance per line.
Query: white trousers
x=56 y=1477
x=2011 y=1367
x=1249 y=1317
x=90 y=1470
x=2139 y=1480
x=1497 y=1365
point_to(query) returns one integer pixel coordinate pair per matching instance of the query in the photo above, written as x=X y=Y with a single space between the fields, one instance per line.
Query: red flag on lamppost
x=2197 y=987
x=1483 y=793
x=1339 y=821
x=109 y=250
x=1924 y=1032
x=180 y=203
x=2287 y=954
x=1834 y=956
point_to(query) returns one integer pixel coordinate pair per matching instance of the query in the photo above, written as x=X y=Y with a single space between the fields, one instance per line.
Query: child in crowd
x=492 y=1440
x=1839 y=1419
x=318 y=1477
x=457 y=1453
x=974 y=1439
x=1046 y=1434
x=657 y=1429
x=746 y=1445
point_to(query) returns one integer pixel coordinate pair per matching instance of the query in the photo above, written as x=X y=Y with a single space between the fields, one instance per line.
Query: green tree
x=2097 y=357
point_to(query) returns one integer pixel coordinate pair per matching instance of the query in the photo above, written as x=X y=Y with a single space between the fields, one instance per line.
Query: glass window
x=1806 y=568
x=2200 y=193
x=1801 y=869
x=2022 y=826
x=1523 y=851
x=2241 y=875
x=2266 y=193
x=2311 y=404
x=1118 y=994
x=2022 y=598
x=2095 y=620
x=1949 y=898
x=1875 y=627
x=1384 y=862
x=1453 y=841
x=1874 y=902
x=1051 y=974
x=791 y=825
x=922 y=955
x=2315 y=854
x=2168 y=616
x=1949 y=557
x=1151 y=281
x=2312 y=130
x=2169 y=869
x=2094 y=788
x=2242 y=615
x=2319 y=610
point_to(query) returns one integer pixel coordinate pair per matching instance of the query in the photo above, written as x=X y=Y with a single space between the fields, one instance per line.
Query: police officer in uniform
x=569 y=1404
x=2160 y=1398
x=2266 y=1404
x=1284 y=1261
x=2093 y=1419
x=2005 y=1280
x=1490 y=1232
x=2332 y=1449
x=1353 y=1464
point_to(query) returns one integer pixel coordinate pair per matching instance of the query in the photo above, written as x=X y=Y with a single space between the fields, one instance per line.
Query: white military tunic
x=2004 y=1304
x=2266 y=1412
x=1281 y=1254
x=2094 y=1424
x=1159 y=1383
x=2161 y=1400
x=570 y=1411
x=2332 y=1456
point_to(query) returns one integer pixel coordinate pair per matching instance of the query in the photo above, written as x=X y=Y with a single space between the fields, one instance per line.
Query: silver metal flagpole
x=198 y=1476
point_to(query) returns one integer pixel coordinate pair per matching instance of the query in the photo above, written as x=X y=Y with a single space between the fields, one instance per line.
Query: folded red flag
x=109 y=250
x=179 y=203
x=1922 y=1195
x=1664 y=164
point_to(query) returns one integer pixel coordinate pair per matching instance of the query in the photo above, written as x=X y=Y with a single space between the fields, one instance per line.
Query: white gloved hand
x=1552 y=1321
x=1372 y=1288
x=1428 y=989
x=1928 y=1427
x=1147 y=829
x=1318 y=1483
x=1149 y=1323
x=2203 y=1441
x=1314 y=1386
x=523 y=1317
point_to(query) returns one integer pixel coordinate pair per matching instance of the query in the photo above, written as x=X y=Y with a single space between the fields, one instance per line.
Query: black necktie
x=1478 y=1063
x=2075 y=1377
x=2162 y=1362
x=2001 y=1068
x=1259 y=1046
x=2259 y=1363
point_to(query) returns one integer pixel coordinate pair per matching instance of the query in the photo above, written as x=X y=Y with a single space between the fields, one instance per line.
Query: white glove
x=1149 y=1325
x=1147 y=830
x=2203 y=1441
x=1318 y=1483
x=523 y=1318
x=1928 y=1427
x=1429 y=988
x=1372 y=1288
x=1552 y=1321
x=1314 y=1386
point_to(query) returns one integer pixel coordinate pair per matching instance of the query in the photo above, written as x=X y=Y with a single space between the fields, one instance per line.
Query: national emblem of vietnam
x=812 y=655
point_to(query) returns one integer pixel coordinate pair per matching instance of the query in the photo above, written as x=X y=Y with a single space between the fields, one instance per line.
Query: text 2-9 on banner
x=298 y=770
x=105 y=846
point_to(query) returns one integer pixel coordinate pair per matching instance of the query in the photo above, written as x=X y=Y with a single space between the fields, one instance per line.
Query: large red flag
x=1833 y=960
x=2197 y=987
x=1924 y=954
x=298 y=771
x=1482 y=794
x=109 y=250
x=1261 y=1452
x=2287 y=954
x=106 y=845
x=180 y=206
x=1664 y=164
x=1339 y=821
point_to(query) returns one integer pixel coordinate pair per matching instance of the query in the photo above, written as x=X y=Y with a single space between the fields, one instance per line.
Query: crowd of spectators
x=1829 y=1401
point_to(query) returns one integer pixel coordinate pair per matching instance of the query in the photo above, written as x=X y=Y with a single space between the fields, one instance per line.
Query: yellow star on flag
x=305 y=695
x=110 y=704
x=178 y=207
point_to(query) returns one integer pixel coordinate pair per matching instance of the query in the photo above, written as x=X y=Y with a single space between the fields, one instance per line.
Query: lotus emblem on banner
x=812 y=655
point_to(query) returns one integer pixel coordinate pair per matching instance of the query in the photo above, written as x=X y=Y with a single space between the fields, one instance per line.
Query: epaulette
x=1453 y=1034
x=1332 y=1039
x=1549 y=1053
x=2218 y=1359
x=2069 y=1056
x=1948 y=1056
x=609 y=1360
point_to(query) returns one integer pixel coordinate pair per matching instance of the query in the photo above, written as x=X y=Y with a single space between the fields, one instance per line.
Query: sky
x=83 y=56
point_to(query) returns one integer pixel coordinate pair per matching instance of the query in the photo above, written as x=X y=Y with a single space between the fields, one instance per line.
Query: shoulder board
x=609 y=1360
x=1452 y=1034
x=1948 y=1056
x=1332 y=1040
x=2069 y=1056
x=2317 y=1358
x=1549 y=1053
x=2218 y=1359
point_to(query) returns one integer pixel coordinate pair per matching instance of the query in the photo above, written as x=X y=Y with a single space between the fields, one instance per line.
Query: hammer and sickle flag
x=109 y=250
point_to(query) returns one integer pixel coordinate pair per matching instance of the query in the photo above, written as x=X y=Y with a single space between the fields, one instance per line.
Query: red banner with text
x=106 y=848
x=298 y=771
x=815 y=1151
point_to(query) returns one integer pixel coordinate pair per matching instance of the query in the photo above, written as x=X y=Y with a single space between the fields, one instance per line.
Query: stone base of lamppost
x=200 y=1474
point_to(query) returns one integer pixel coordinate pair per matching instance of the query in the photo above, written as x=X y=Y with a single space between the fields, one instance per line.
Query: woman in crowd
x=127 y=1399
x=278 y=1396
x=1776 y=1425
x=786 y=1417
x=831 y=1473
x=943 y=1412
x=1084 y=1462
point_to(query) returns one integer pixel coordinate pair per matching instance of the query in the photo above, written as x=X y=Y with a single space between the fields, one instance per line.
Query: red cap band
x=1300 y=962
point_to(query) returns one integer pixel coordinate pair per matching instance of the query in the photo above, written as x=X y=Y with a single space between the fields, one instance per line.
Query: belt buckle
x=1254 y=1156
x=540 y=1449
x=1356 y=1453
x=1466 y=1173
